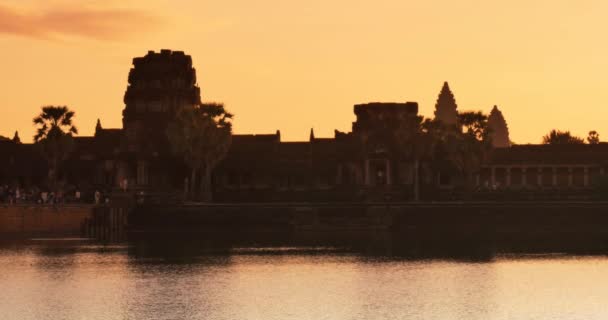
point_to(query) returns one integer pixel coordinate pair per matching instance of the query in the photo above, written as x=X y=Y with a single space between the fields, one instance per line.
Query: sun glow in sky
x=293 y=65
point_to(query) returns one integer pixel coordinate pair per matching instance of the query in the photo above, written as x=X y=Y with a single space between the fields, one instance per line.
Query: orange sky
x=293 y=65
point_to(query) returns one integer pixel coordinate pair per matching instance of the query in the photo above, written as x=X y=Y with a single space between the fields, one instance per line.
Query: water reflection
x=217 y=279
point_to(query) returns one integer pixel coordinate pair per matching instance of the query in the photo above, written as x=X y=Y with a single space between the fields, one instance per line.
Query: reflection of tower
x=159 y=85
x=498 y=129
x=445 y=108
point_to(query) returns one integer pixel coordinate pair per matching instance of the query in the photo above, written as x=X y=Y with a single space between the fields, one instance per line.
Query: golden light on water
x=59 y=281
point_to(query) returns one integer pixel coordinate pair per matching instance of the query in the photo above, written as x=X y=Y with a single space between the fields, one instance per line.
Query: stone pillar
x=586 y=177
x=508 y=177
x=524 y=176
x=570 y=177
x=554 y=171
x=142 y=175
x=122 y=174
x=367 y=177
x=389 y=178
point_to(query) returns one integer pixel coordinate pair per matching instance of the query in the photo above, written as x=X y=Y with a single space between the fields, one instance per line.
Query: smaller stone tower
x=16 y=138
x=98 y=127
x=499 y=129
x=445 y=108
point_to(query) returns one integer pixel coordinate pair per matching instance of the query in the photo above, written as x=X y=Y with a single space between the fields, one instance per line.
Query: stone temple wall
x=36 y=220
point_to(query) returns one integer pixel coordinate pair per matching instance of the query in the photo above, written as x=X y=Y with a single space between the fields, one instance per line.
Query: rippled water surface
x=76 y=280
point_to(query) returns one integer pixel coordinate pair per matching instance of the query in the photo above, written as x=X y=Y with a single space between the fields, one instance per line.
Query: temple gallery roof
x=266 y=153
x=388 y=106
x=20 y=159
x=255 y=138
x=542 y=154
x=104 y=143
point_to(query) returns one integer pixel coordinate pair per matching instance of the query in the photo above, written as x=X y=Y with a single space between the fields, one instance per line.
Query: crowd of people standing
x=36 y=195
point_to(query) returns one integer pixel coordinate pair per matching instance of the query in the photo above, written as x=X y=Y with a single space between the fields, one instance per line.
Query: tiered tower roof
x=16 y=138
x=445 y=108
x=498 y=129
x=160 y=84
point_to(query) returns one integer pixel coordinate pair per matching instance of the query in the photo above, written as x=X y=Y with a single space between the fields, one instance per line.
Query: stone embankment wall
x=455 y=217
x=418 y=229
x=24 y=220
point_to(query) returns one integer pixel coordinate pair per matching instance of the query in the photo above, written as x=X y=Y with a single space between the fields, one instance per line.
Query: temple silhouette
x=261 y=167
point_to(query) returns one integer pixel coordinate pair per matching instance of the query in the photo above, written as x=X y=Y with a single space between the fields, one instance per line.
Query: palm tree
x=202 y=136
x=54 y=136
x=54 y=118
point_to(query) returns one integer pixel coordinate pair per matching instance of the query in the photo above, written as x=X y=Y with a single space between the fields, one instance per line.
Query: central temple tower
x=446 y=107
x=160 y=84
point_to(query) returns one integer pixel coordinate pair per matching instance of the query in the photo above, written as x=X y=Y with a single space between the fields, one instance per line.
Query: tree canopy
x=57 y=119
x=474 y=124
x=201 y=136
x=464 y=145
x=54 y=136
x=593 y=137
x=561 y=137
x=467 y=148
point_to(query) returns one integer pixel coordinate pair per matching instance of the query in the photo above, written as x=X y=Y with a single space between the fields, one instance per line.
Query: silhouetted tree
x=593 y=137
x=54 y=132
x=561 y=137
x=416 y=141
x=464 y=145
x=474 y=123
x=467 y=149
x=202 y=136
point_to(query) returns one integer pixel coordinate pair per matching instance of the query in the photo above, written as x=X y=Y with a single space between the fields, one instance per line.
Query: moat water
x=73 y=279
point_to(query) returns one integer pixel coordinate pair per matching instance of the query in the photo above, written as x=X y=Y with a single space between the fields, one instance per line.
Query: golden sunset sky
x=293 y=65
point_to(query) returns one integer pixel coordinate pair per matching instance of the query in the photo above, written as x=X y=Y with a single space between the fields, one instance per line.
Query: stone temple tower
x=159 y=85
x=445 y=108
x=499 y=129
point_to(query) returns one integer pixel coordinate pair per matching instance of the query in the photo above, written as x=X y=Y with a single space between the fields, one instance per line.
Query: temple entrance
x=377 y=172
